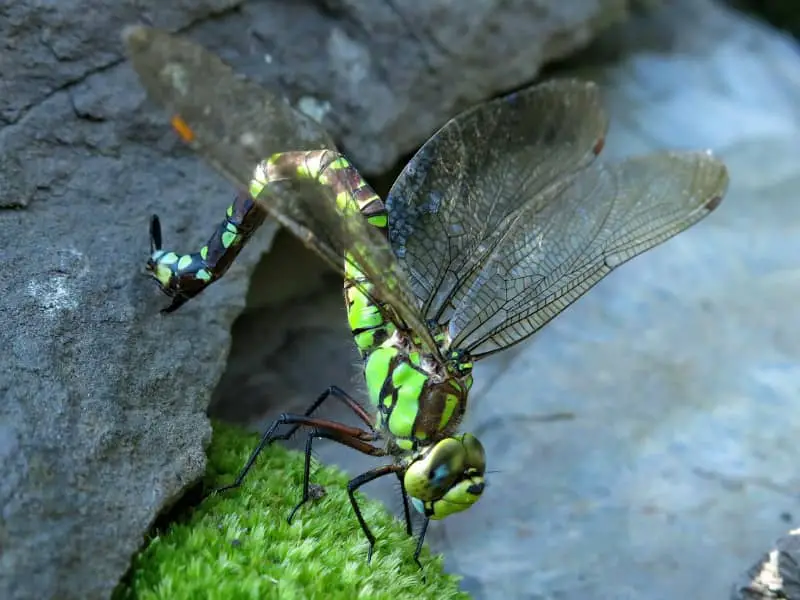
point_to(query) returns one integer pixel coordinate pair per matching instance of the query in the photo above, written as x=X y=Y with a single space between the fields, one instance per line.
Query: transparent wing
x=557 y=247
x=235 y=125
x=231 y=118
x=309 y=209
x=454 y=202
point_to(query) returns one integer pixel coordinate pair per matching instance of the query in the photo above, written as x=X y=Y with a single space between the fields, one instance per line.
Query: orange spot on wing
x=182 y=127
x=598 y=145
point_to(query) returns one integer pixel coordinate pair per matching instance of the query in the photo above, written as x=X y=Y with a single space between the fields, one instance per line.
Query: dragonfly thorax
x=420 y=398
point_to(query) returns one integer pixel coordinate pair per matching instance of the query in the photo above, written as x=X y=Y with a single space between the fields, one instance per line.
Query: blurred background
x=643 y=443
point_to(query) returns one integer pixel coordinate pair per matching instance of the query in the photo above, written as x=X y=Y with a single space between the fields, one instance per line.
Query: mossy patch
x=239 y=545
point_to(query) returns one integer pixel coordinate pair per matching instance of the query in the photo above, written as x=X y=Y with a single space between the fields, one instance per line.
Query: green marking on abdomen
x=364 y=318
x=379 y=221
x=184 y=276
x=351 y=270
x=228 y=239
x=352 y=193
x=376 y=372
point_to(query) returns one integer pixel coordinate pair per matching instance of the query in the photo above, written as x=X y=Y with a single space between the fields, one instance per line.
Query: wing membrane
x=557 y=248
x=454 y=201
x=232 y=120
x=235 y=125
x=309 y=209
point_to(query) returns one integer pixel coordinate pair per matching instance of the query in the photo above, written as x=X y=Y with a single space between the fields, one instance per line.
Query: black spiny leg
x=348 y=436
x=336 y=436
x=406 y=511
x=269 y=435
x=420 y=541
x=356 y=483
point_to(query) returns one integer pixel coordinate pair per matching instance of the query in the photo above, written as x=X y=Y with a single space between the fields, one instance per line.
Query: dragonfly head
x=447 y=477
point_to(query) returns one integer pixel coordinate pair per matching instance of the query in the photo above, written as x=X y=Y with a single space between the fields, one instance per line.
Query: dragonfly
x=499 y=222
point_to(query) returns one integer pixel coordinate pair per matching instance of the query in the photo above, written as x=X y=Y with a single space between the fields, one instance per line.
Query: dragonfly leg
x=351 y=434
x=356 y=483
x=270 y=436
x=335 y=391
x=336 y=435
x=404 y=496
x=420 y=541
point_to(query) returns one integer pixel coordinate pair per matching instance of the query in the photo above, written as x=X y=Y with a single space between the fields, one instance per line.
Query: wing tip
x=723 y=180
x=713 y=202
x=570 y=82
x=135 y=36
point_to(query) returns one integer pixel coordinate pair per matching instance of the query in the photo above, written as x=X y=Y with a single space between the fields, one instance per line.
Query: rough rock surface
x=776 y=575
x=102 y=418
x=380 y=75
x=644 y=442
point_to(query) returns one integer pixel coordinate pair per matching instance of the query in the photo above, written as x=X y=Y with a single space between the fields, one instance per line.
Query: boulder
x=103 y=414
x=643 y=444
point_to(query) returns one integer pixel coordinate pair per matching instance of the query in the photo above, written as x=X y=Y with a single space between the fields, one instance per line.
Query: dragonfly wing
x=236 y=125
x=233 y=122
x=334 y=227
x=450 y=205
x=562 y=244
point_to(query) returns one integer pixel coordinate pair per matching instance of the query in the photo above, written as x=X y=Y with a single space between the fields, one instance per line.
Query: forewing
x=233 y=122
x=557 y=249
x=236 y=124
x=309 y=209
x=451 y=204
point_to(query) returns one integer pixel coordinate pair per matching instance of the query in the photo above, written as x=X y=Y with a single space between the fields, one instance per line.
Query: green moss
x=239 y=545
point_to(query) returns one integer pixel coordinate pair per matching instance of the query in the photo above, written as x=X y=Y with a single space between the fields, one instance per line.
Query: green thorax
x=419 y=399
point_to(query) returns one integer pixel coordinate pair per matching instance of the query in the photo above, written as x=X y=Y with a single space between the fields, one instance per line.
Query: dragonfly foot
x=369 y=552
x=219 y=490
x=294 y=510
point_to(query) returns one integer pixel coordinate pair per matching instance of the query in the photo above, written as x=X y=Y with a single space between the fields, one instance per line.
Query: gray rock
x=382 y=76
x=51 y=46
x=776 y=575
x=644 y=442
x=102 y=419
x=103 y=400
x=681 y=368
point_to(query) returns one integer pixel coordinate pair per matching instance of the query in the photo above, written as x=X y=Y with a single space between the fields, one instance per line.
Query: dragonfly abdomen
x=369 y=326
x=183 y=276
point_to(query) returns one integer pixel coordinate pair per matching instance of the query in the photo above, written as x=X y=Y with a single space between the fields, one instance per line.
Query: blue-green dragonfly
x=500 y=221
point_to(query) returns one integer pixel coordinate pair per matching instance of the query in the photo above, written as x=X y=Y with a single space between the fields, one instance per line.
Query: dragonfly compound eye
x=476 y=457
x=448 y=478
